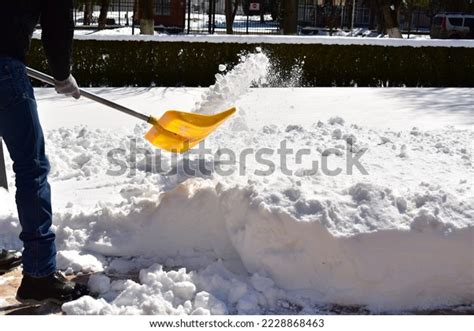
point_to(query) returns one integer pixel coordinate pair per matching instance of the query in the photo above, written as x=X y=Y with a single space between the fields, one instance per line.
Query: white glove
x=68 y=87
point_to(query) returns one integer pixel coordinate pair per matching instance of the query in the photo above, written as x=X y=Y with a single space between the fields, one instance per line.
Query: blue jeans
x=23 y=136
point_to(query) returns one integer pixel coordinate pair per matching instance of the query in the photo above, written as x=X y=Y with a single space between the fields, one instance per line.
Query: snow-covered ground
x=266 y=233
x=340 y=38
x=281 y=39
x=365 y=33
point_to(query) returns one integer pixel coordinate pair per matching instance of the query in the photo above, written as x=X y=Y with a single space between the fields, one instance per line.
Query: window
x=455 y=21
x=469 y=22
x=163 y=7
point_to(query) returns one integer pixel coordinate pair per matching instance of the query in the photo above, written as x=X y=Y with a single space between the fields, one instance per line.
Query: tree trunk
x=104 y=9
x=390 y=14
x=229 y=21
x=275 y=10
x=147 y=16
x=236 y=7
x=290 y=16
x=410 y=19
x=87 y=13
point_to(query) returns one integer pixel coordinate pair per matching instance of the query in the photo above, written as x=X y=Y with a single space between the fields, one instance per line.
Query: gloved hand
x=68 y=87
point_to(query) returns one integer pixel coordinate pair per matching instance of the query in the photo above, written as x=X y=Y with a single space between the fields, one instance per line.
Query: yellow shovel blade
x=178 y=131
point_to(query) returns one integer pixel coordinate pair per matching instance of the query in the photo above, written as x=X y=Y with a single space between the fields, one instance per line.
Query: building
x=170 y=14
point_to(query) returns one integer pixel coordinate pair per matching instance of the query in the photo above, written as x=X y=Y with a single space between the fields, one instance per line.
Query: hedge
x=145 y=63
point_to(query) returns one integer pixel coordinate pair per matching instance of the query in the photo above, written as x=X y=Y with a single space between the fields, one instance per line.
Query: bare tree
x=231 y=7
x=289 y=16
x=229 y=21
x=331 y=12
x=104 y=9
x=88 y=8
x=456 y=5
x=237 y=3
x=388 y=14
x=146 y=13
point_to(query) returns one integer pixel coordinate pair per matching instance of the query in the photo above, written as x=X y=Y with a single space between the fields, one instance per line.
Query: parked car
x=453 y=26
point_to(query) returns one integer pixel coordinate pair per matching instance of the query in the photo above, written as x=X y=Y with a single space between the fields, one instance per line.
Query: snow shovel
x=3 y=170
x=175 y=131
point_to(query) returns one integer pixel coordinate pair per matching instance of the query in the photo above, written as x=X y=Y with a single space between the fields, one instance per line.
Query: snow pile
x=259 y=39
x=178 y=292
x=99 y=283
x=351 y=240
x=73 y=262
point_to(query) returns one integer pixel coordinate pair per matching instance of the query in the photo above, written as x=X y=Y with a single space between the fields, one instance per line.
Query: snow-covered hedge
x=145 y=63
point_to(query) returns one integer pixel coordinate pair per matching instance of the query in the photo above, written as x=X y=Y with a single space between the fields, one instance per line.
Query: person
x=21 y=130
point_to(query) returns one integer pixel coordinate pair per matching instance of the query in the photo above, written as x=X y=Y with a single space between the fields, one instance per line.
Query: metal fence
x=248 y=17
x=190 y=16
x=119 y=13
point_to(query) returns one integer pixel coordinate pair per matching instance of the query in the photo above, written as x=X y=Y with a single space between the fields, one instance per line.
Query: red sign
x=254 y=6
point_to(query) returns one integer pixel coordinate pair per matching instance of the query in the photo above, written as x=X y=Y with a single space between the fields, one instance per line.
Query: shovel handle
x=50 y=80
x=3 y=171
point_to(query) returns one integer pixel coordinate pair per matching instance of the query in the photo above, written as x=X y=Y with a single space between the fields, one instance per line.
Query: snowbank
x=270 y=39
x=250 y=237
x=398 y=239
x=274 y=39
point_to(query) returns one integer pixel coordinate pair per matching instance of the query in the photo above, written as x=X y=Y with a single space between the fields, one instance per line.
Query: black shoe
x=53 y=288
x=9 y=260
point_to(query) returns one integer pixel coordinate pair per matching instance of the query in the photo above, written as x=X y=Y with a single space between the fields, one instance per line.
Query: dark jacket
x=18 y=19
